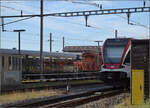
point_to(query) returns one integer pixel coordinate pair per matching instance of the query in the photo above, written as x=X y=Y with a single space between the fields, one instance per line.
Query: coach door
x=137 y=86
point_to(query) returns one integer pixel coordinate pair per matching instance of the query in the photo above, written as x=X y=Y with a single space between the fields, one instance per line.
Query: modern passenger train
x=116 y=59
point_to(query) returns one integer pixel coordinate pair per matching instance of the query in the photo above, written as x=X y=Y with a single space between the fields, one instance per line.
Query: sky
x=73 y=29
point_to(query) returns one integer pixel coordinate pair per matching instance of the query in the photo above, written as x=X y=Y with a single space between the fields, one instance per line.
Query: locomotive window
x=3 y=61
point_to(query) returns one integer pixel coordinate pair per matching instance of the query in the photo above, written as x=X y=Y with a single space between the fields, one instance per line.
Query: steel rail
x=84 y=100
x=62 y=73
x=43 y=87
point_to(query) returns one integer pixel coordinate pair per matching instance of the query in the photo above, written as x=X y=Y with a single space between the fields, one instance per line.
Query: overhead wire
x=136 y=23
x=77 y=24
x=16 y=21
x=63 y=21
x=70 y=22
x=10 y=8
x=93 y=4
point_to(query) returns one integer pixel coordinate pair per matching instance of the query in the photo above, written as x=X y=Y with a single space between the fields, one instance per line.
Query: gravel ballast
x=106 y=102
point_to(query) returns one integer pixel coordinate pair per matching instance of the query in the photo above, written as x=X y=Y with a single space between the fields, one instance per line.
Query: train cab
x=116 y=59
x=10 y=69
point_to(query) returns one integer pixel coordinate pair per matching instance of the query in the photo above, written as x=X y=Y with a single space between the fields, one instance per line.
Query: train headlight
x=121 y=66
x=112 y=66
x=104 y=66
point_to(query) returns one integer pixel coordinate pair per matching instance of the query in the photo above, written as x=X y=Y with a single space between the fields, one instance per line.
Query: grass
x=20 y=96
x=127 y=104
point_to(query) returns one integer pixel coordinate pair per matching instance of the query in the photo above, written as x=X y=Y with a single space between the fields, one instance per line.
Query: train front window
x=113 y=54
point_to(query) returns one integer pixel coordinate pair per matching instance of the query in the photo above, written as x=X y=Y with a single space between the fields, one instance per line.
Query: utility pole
x=41 y=42
x=116 y=34
x=19 y=40
x=128 y=16
x=0 y=48
x=144 y=3
x=21 y=12
x=19 y=46
x=0 y=42
x=63 y=43
x=86 y=19
x=98 y=41
x=100 y=6
x=50 y=42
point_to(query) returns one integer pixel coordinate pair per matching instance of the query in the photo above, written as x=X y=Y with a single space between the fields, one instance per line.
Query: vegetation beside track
x=127 y=104
x=20 y=96
x=33 y=94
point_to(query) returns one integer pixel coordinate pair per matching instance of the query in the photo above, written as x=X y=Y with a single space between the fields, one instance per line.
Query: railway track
x=63 y=76
x=48 y=86
x=73 y=99
x=83 y=100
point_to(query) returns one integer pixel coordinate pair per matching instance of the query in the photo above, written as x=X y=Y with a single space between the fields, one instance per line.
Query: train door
x=2 y=67
x=3 y=63
x=137 y=87
x=12 y=72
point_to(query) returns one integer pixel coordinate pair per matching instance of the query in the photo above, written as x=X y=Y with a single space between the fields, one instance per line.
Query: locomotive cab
x=116 y=60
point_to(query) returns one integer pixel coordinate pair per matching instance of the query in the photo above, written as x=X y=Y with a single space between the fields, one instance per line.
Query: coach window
x=19 y=63
x=14 y=62
x=3 y=62
x=9 y=63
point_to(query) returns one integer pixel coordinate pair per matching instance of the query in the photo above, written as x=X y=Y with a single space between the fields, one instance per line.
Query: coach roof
x=37 y=53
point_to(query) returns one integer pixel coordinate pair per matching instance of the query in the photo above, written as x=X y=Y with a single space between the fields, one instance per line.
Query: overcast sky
x=72 y=28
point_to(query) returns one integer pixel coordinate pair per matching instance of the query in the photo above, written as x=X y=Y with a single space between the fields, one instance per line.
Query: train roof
x=37 y=53
x=118 y=38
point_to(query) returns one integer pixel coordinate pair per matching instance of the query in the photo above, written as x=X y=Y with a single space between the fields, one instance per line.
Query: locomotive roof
x=37 y=53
